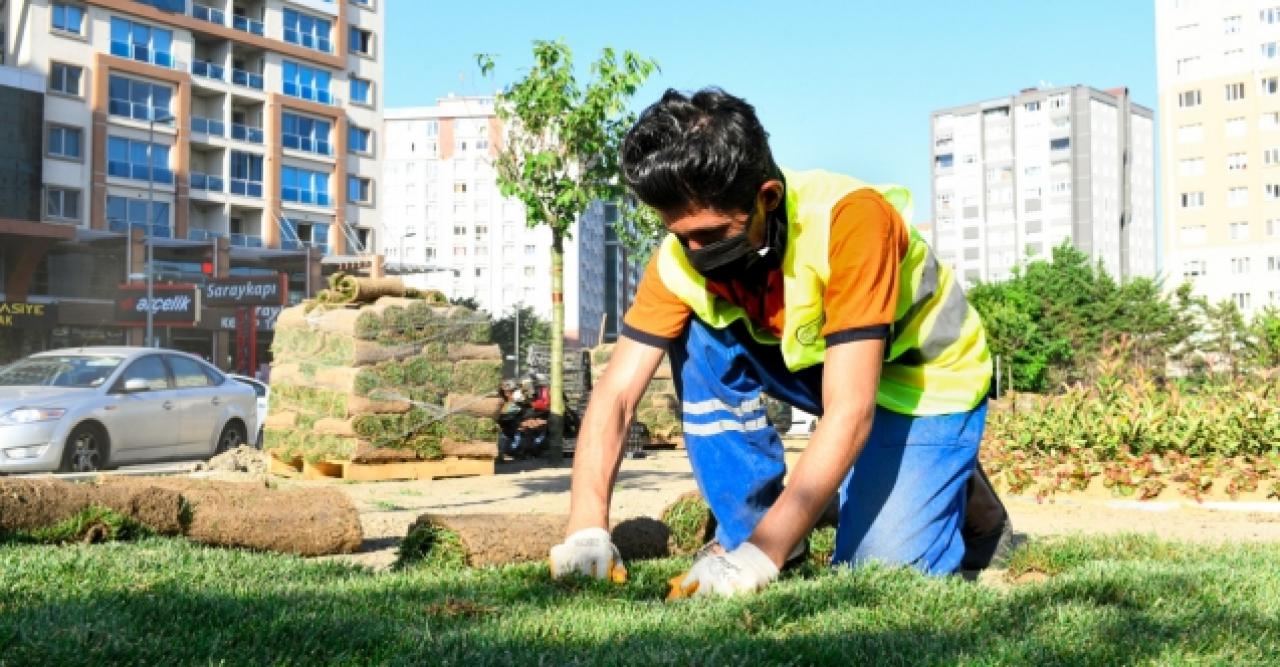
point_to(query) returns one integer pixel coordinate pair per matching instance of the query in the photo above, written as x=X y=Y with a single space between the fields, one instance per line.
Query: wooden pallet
x=290 y=468
x=379 y=472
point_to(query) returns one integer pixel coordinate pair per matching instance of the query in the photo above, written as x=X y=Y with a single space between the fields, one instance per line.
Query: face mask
x=735 y=257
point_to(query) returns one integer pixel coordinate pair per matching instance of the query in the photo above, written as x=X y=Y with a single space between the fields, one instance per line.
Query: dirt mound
x=241 y=459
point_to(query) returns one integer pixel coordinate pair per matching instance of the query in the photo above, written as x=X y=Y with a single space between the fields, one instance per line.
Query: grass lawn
x=162 y=602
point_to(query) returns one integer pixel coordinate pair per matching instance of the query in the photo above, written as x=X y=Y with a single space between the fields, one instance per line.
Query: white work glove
x=589 y=551
x=745 y=569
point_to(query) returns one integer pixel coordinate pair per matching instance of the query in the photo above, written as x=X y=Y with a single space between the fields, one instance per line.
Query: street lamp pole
x=151 y=215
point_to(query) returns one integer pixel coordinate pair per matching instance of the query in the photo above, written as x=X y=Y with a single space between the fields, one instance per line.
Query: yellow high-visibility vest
x=937 y=361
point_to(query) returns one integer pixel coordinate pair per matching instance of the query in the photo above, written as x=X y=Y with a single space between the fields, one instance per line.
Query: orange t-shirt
x=867 y=243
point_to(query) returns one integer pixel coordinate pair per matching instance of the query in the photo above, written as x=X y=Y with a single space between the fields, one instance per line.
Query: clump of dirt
x=241 y=459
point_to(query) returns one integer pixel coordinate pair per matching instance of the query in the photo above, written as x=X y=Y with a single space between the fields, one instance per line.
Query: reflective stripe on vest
x=936 y=360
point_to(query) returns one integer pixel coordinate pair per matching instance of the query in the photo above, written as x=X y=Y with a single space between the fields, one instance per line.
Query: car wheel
x=85 y=450
x=232 y=437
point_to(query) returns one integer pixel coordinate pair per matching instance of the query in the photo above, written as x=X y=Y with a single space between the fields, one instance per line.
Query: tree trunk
x=555 y=427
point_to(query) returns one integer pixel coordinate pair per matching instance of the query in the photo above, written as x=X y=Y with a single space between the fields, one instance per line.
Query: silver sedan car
x=86 y=409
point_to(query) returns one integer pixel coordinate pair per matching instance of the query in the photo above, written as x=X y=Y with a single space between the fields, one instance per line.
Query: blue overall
x=903 y=502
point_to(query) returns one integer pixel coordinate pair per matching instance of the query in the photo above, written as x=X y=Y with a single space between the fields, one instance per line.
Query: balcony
x=246 y=188
x=194 y=234
x=143 y=53
x=298 y=244
x=207 y=182
x=320 y=95
x=246 y=79
x=208 y=70
x=246 y=241
x=308 y=197
x=252 y=135
x=158 y=230
x=311 y=41
x=140 y=172
x=209 y=126
x=208 y=14
x=248 y=25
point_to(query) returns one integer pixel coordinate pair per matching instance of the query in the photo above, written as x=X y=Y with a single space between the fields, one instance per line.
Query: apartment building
x=447 y=226
x=241 y=137
x=1218 y=66
x=255 y=120
x=1015 y=176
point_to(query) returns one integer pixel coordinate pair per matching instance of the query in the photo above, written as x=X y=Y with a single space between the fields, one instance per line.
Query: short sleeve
x=657 y=316
x=868 y=241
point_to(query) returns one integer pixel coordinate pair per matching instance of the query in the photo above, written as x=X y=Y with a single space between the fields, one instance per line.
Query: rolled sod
x=693 y=525
x=30 y=504
x=479 y=540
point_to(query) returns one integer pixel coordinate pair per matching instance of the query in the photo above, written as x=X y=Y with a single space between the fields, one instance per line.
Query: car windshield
x=80 y=371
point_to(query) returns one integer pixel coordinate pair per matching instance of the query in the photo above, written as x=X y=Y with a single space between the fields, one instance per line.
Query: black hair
x=707 y=150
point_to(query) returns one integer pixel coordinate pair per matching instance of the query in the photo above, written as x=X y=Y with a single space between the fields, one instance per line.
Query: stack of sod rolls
x=403 y=378
x=659 y=409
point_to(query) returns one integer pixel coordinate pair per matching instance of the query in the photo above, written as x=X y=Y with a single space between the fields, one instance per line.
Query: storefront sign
x=21 y=315
x=265 y=291
x=266 y=319
x=169 y=304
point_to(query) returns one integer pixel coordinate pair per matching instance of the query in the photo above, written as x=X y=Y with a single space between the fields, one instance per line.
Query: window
x=68 y=18
x=1061 y=187
x=1191 y=166
x=460 y=187
x=359 y=190
x=1190 y=133
x=1061 y=143
x=1189 y=98
x=1192 y=199
x=944 y=161
x=1243 y=300
x=306 y=82
x=1273 y=263
x=125 y=212
x=1273 y=228
x=1058 y=102
x=1269 y=15
x=141 y=42
x=1272 y=191
x=139 y=160
x=1237 y=127
x=246 y=174
x=1268 y=50
x=1269 y=121
x=62 y=203
x=150 y=369
x=1231 y=25
x=1193 y=235
x=459 y=230
x=305 y=133
x=529 y=272
x=65 y=79
x=1031 y=106
x=187 y=373
x=1239 y=231
x=1237 y=161
x=459 y=251
x=139 y=100
x=1271 y=157
x=1269 y=85
x=360 y=41
x=530 y=250
x=1235 y=91
x=304 y=186
x=1192 y=268
x=1187 y=65
x=361 y=91
x=307 y=30
x=64 y=142
x=359 y=140
x=1238 y=197
x=1239 y=265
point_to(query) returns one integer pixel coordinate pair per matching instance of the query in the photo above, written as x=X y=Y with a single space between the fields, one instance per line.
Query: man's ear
x=771 y=194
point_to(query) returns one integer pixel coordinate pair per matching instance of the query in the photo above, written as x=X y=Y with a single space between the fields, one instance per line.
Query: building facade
x=237 y=138
x=447 y=226
x=1218 y=66
x=1015 y=176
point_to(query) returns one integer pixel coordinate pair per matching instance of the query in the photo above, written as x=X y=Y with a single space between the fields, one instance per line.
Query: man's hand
x=745 y=569
x=589 y=551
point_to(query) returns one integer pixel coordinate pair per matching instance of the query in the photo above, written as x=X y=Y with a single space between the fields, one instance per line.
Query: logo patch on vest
x=807 y=333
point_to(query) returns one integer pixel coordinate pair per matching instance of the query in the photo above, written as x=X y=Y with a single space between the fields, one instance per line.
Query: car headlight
x=32 y=415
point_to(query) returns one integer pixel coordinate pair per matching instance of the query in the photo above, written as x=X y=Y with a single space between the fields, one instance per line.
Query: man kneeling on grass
x=810 y=287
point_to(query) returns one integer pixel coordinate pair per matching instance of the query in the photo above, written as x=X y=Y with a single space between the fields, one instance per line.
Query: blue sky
x=846 y=86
